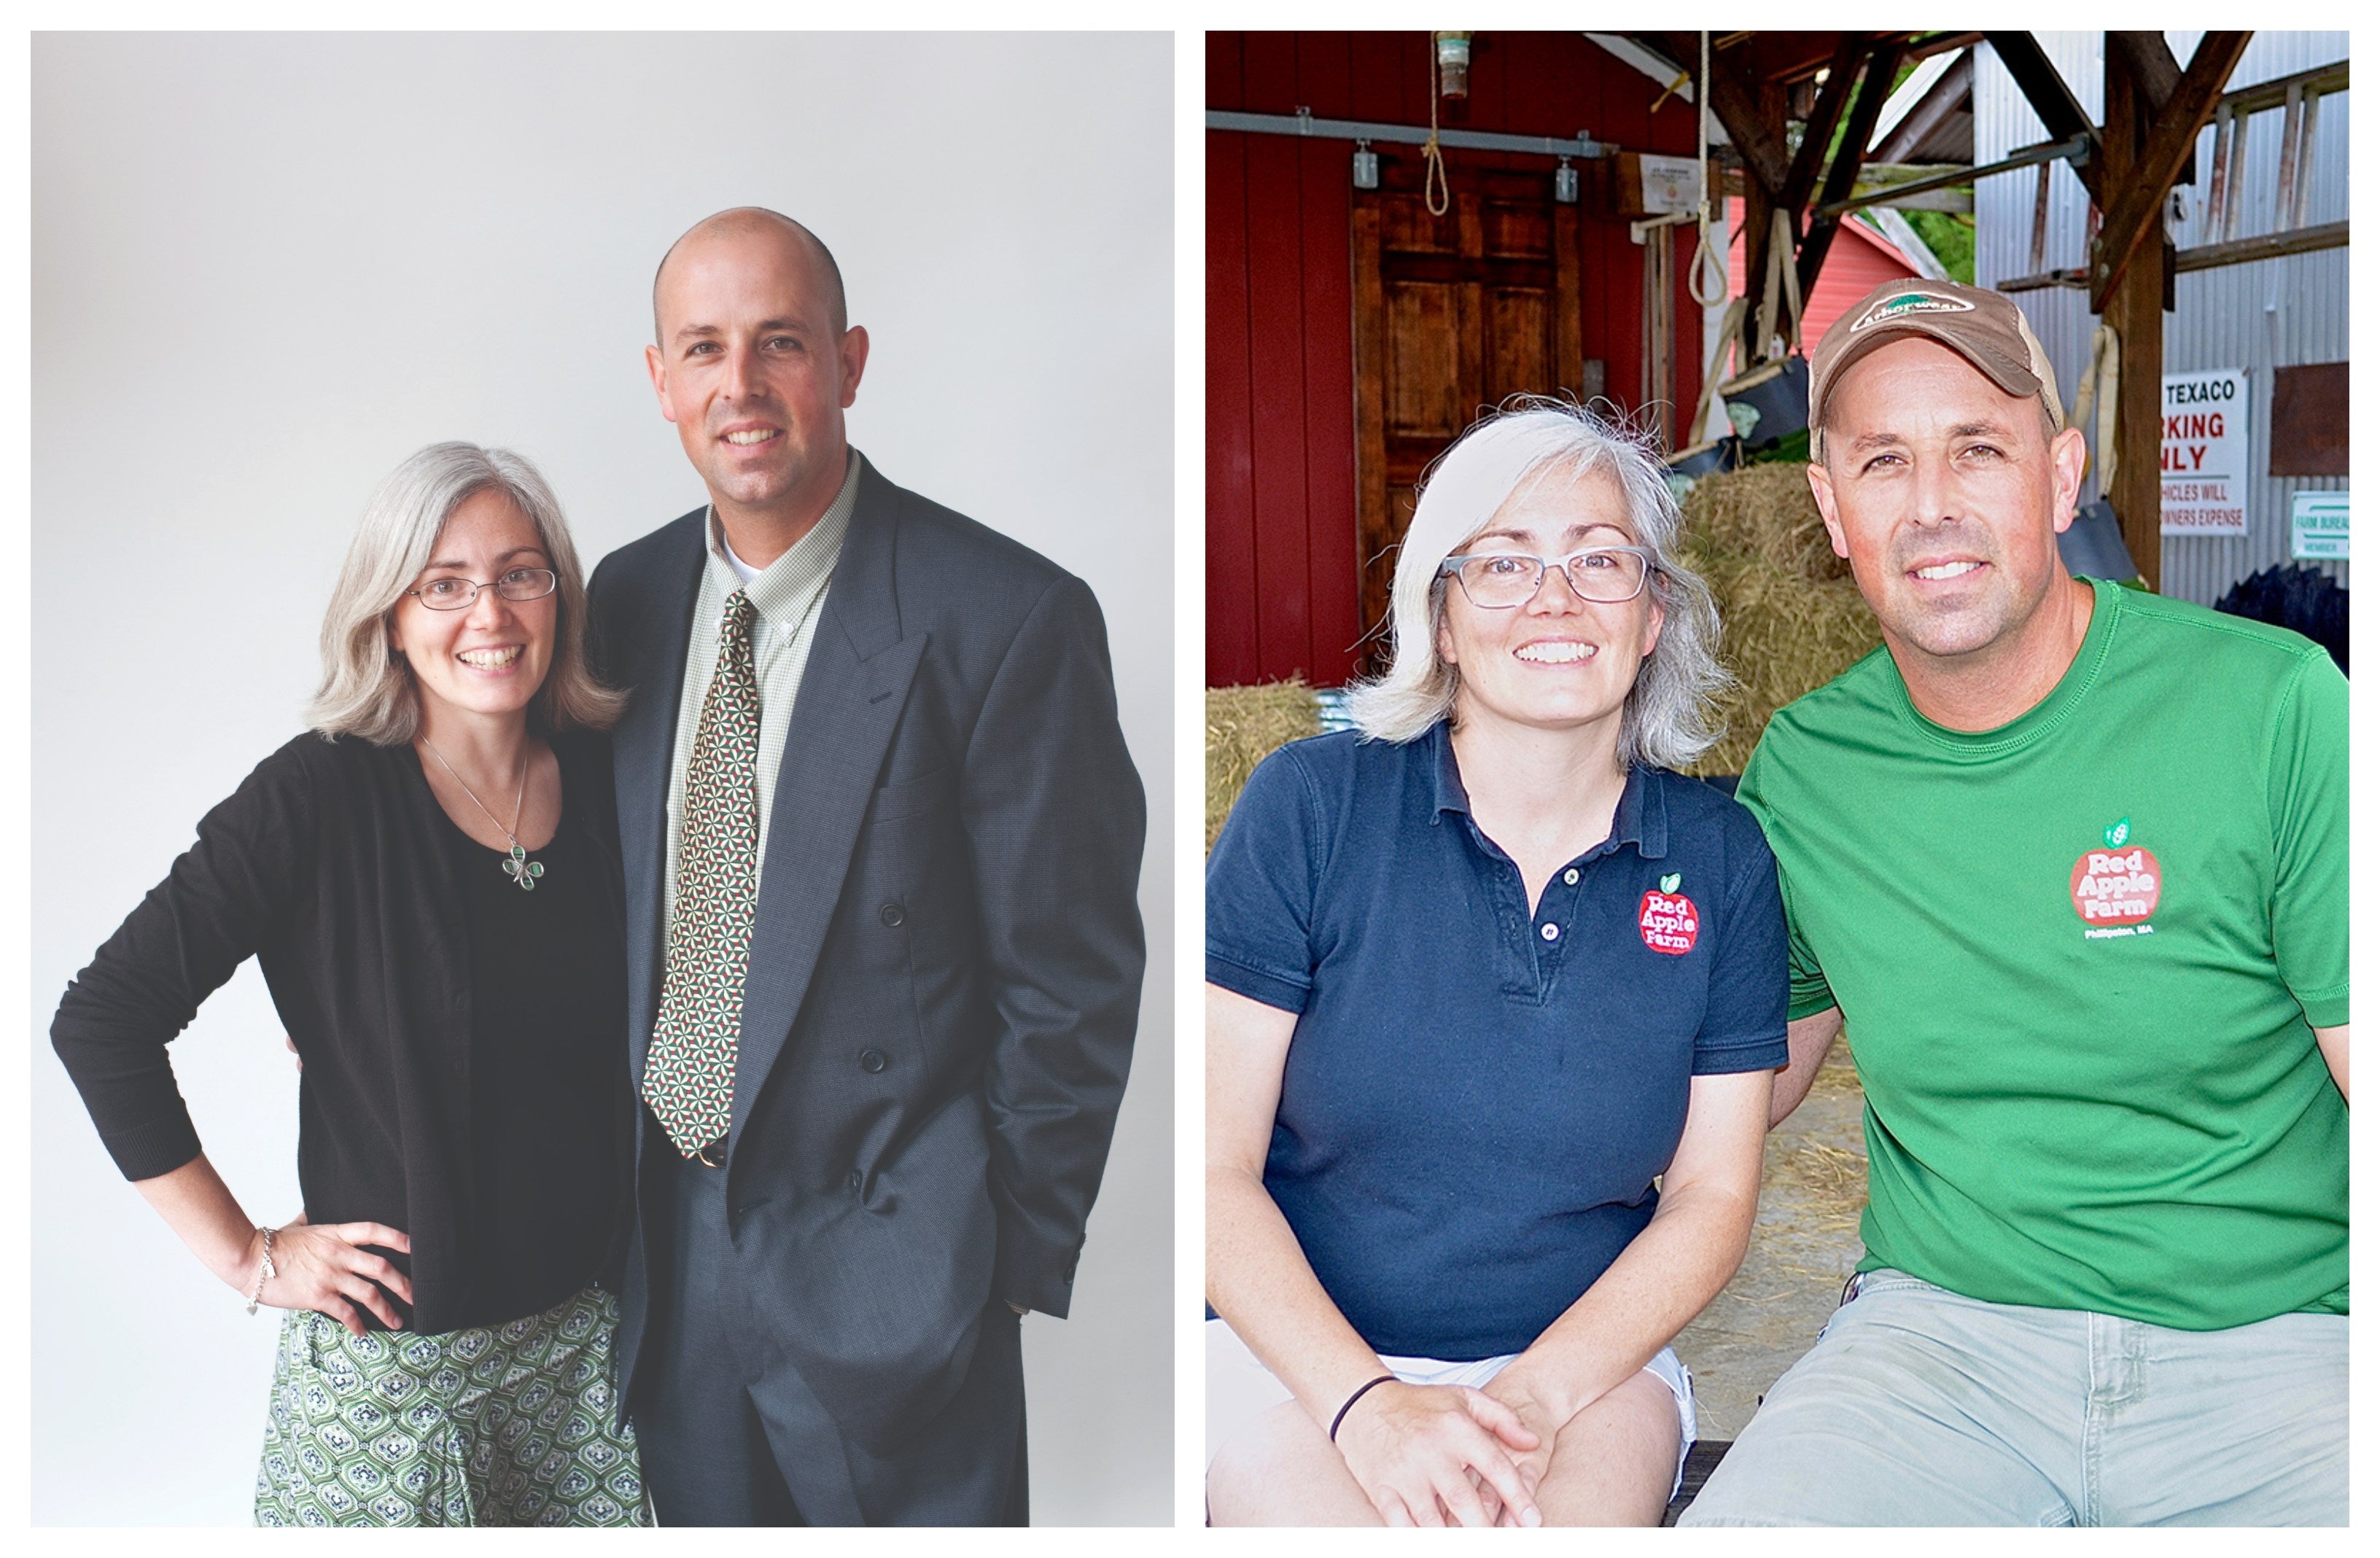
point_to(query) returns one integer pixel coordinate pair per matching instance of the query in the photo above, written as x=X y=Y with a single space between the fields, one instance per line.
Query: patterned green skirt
x=509 y=1425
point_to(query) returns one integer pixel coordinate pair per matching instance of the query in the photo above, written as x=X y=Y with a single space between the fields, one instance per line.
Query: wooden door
x=1453 y=314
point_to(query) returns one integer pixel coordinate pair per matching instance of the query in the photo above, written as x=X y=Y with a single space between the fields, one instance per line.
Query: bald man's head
x=758 y=221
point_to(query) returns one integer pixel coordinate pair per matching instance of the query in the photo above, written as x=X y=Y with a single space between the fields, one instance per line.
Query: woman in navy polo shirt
x=1480 y=972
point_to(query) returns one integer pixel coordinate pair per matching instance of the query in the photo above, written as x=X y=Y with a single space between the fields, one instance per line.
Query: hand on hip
x=327 y=1269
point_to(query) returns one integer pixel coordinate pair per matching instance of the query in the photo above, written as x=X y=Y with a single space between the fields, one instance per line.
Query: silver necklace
x=518 y=866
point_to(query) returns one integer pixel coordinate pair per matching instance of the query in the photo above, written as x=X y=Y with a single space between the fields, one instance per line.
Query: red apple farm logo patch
x=1668 y=920
x=2116 y=889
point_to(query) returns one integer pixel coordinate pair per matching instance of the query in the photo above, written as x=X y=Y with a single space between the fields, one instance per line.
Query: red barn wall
x=1858 y=262
x=1281 y=569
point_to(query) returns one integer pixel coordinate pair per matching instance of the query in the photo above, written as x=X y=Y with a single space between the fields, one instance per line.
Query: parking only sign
x=2204 y=457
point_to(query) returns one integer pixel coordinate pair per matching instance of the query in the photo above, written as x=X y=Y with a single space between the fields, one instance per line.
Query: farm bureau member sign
x=2203 y=453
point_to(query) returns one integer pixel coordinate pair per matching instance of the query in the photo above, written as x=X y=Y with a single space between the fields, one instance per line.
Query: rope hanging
x=1706 y=260
x=2098 y=387
x=1783 y=245
x=1433 y=183
x=1728 y=325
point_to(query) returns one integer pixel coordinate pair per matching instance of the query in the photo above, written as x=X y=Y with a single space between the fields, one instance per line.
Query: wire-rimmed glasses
x=1497 y=581
x=512 y=584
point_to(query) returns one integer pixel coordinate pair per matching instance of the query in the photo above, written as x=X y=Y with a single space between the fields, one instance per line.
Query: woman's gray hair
x=1670 y=716
x=368 y=688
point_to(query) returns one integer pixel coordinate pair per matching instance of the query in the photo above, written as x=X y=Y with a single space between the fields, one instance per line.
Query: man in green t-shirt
x=2070 y=862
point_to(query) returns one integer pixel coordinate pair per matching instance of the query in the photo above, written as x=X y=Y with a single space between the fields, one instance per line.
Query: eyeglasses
x=514 y=584
x=1499 y=581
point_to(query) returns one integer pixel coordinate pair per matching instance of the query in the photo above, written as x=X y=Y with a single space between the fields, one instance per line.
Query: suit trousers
x=731 y=1435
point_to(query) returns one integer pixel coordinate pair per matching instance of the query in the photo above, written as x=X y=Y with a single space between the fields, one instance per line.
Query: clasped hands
x=327 y=1269
x=1448 y=1455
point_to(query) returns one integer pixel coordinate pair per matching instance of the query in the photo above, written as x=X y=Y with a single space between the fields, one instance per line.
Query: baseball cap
x=1985 y=327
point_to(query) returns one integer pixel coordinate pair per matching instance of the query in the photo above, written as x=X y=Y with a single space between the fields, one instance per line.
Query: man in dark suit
x=881 y=837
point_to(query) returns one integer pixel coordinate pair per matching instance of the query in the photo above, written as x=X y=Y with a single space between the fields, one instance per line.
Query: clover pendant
x=522 y=869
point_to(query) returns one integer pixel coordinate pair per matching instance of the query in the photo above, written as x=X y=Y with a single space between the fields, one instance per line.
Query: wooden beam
x=1884 y=196
x=2135 y=310
x=2155 y=70
x=2266 y=245
x=1940 y=42
x=1820 y=129
x=2135 y=203
x=1785 y=57
x=1755 y=119
x=1951 y=175
x=1766 y=106
x=2157 y=73
x=2208 y=257
x=2276 y=92
x=1876 y=85
x=2053 y=100
x=1953 y=94
x=2137 y=491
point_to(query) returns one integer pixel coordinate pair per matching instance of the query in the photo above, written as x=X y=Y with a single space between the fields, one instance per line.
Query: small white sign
x=2318 y=527
x=2203 y=454
x=1672 y=185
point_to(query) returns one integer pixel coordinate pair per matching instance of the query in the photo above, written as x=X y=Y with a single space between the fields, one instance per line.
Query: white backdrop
x=266 y=268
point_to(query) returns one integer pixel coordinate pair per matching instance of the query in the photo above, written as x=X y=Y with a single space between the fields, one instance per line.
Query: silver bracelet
x=265 y=1272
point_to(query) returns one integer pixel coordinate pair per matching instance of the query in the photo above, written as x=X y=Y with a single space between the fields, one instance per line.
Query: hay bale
x=1243 y=726
x=1781 y=637
x=1790 y=617
x=1765 y=512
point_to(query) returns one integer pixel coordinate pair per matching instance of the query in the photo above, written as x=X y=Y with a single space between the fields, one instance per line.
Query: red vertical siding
x=1282 y=573
x=1230 y=513
x=1329 y=355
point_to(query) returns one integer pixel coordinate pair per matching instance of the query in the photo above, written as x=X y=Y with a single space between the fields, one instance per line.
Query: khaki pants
x=1920 y=1407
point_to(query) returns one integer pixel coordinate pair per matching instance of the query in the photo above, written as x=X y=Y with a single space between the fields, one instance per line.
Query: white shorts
x=1240 y=1389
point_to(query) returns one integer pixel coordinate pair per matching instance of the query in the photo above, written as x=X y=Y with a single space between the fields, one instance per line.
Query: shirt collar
x=1642 y=817
x=783 y=591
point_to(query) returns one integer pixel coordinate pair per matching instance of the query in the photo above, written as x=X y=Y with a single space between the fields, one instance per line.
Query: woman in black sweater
x=429 y=879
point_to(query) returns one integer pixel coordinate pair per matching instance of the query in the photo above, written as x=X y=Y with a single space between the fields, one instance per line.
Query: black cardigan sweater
x=329 y=866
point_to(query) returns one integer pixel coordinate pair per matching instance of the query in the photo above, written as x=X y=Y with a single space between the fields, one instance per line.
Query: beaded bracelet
x=265 y=1272
x=1360 y=1390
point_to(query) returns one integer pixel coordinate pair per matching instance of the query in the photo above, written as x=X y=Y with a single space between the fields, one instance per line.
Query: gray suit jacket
x=946 y=964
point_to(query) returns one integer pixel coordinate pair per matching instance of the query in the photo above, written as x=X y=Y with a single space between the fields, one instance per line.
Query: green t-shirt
x=2078 y=958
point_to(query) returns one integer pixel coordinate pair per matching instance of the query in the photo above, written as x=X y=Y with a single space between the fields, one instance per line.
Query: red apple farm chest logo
x=1668 y=920
x=2117 y=888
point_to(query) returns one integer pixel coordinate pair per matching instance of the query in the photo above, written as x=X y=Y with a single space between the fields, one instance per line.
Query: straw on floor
x=1243 y=725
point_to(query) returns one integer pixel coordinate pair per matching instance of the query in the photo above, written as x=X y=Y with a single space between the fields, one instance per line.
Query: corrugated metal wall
x=2271 y=313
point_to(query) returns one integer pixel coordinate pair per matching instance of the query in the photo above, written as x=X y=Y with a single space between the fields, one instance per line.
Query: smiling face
x=752 y=368
x=488 y=660
x=1555 y=661
x=1947 y=494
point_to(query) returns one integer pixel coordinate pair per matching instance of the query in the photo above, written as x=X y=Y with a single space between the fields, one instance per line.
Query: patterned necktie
x=690 y=1069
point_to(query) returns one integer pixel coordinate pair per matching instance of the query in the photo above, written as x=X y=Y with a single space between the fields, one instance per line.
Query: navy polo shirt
x=1477 y=1098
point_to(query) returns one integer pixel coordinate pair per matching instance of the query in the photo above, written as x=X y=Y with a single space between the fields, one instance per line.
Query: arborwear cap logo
x=1901 y=305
